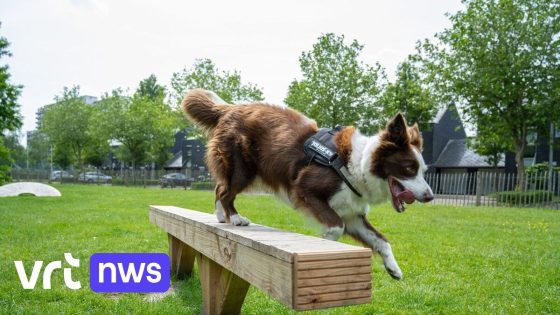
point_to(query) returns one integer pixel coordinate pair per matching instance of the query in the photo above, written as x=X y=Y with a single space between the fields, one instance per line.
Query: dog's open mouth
x=399 y=195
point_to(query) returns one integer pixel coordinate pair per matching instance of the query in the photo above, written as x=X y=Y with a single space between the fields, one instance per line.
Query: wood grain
x=303 y=272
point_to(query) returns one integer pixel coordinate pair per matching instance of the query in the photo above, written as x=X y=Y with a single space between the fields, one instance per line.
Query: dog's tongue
x=406 y=196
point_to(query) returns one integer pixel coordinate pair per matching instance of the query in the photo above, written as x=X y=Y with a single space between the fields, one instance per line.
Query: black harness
x=320 y=148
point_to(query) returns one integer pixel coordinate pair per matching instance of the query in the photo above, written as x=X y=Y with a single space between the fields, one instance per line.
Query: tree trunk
x=520 y=145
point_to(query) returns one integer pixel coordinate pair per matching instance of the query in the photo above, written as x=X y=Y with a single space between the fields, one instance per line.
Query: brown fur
x=343 y=142
x=266 y=141
x=261 y=140
x=394 y=155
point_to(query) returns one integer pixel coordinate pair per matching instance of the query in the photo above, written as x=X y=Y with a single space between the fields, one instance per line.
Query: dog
x=262 y=143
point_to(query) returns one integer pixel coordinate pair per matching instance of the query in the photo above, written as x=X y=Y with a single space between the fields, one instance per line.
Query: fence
x=114 y=177
x=539 y=190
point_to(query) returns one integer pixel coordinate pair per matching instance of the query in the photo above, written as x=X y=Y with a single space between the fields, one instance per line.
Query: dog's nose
x=428 y=196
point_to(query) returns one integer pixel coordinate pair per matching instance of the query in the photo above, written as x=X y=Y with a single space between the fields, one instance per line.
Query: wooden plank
x=302 y=283
x=332 y=288
x=282 y=264
x=295 y=280
x=223 y=292
x=356 y=252
x=182 y=257
x=274 y=242
x=337 y=296
x=338 y=263
x=316 y=273
x=268 y=273
x=312 y=306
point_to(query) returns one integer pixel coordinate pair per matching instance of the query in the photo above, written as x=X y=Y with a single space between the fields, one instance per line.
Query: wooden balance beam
x=302 y=272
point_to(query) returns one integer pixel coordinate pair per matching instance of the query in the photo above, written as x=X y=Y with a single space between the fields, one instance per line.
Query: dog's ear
x=415 y=136
x=396 y=130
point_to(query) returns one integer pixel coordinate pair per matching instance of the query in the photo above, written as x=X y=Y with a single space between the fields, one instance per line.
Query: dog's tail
x=204 y=108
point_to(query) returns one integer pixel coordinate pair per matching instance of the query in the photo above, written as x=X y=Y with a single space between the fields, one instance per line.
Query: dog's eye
x=411 y=170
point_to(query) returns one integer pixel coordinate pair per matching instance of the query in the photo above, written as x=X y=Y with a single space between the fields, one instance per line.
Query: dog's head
x=398 y=159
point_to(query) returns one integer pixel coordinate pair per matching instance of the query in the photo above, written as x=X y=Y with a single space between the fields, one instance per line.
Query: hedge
x=203 y=186
x=524 y=197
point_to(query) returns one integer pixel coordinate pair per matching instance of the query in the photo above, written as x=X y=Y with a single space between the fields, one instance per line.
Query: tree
x=67 y=123
x=336 y=87
x=63 y=157
x=17 y=151
x=5 y=163
x=10 y=118
x=488 y=143
x=150 y=89
x=144 y=126
x=409 y=95
x=38 y=148
x=205 y=75
x=500 y=61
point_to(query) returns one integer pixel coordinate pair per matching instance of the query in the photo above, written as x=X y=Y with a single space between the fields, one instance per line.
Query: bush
x=137 y=182
x=524 y=197
x=203 y=186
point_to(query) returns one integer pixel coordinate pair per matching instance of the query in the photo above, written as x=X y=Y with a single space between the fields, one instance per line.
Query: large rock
x=37 y=189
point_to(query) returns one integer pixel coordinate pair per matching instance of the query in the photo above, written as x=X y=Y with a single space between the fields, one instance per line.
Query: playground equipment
x=302 y=272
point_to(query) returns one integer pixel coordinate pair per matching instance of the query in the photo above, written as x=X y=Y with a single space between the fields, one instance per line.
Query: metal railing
x=486 y=188
x=113 y=177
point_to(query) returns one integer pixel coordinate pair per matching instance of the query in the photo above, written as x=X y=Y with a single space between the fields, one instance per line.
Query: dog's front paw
x=236 y=219
x=393 y=269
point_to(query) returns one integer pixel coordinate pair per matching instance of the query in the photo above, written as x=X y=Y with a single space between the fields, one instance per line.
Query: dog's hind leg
x=219 y=210
x=359 y=228
x=231 y=183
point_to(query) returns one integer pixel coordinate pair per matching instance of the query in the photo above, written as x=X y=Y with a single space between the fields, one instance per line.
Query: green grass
x=454 y=259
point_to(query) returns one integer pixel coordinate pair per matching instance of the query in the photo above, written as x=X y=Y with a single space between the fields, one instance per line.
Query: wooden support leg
x=182 y=257
x=223 y=292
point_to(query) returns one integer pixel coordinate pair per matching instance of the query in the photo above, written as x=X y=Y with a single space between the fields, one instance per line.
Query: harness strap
x=321 y=149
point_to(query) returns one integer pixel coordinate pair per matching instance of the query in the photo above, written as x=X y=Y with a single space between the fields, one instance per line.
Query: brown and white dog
x=261 y=143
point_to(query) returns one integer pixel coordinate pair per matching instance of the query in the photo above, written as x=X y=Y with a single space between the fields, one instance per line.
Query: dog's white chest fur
x=374 y=190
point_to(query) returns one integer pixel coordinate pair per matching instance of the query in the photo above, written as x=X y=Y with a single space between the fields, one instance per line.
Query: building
x=537 y=151
x=446 y=149
x=188 y=156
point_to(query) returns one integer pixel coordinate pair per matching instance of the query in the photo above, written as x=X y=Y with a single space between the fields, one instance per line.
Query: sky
x=102 y=45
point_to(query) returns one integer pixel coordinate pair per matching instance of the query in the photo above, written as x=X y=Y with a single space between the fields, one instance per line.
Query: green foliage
x=203 y=185
x=489 y=143
x=63 y=157
x=540 y=168
x=538 y=176
x=205 y=75
x=5 y=164
x=500 y=61
x=17 y=151
x=150 y=89
x=336 y=87
x=38 y=148
x=144 y=126
x=409 y=96
x=524 y=198
x=67 y=124
x=10 y=118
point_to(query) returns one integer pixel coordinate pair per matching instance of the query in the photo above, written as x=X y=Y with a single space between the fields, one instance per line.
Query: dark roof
x=457 y=154
x=176 y=162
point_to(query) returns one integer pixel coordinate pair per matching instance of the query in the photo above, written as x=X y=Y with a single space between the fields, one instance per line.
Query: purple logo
x=129 y=272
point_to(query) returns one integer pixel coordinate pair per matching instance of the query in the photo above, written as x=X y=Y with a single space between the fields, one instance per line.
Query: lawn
x=454 y=259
